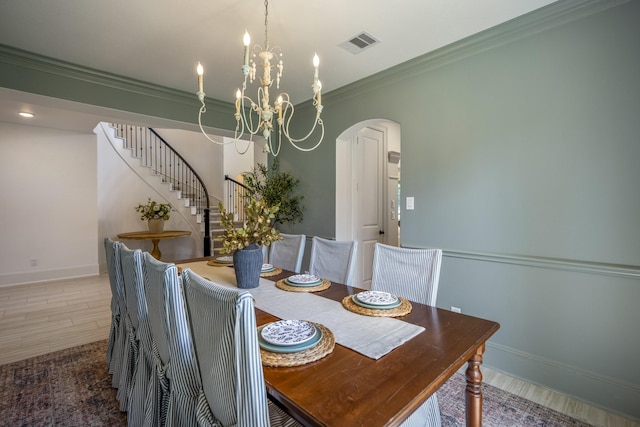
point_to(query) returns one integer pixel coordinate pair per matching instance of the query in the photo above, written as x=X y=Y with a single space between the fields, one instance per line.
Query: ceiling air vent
x=360 y=42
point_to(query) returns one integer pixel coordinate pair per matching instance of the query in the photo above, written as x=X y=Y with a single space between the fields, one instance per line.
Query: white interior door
x=369 y=149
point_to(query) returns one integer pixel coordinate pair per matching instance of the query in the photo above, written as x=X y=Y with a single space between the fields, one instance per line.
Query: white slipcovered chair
x=413 y=274
x=176 y=384
x=117 y=332
x=332 y=260
x=287 y=253
x=132 y=261
x=223 y=327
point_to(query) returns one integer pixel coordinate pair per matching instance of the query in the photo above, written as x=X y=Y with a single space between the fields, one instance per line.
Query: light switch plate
x=409 y=203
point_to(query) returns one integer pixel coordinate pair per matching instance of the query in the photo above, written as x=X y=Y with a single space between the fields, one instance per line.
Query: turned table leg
x=473 y=393
x=156 y=249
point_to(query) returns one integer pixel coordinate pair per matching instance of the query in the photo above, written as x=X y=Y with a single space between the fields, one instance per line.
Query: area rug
x=73 y=388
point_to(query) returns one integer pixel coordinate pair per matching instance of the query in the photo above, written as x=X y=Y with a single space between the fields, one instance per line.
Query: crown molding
x=56 y=67
x=537 y=21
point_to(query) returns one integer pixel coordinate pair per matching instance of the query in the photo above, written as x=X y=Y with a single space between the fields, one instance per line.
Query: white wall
x=49 y=204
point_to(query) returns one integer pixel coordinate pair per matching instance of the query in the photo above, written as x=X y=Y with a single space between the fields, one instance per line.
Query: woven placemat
x=274 y=272
x=321 y=287
x=317 y=352
x=213 y=263
x=403 y=309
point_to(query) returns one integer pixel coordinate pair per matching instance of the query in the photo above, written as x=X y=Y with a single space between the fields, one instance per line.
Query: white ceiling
x=161 y=42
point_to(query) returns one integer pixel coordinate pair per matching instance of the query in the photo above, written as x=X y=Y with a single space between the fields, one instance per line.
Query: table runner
x=371 y=336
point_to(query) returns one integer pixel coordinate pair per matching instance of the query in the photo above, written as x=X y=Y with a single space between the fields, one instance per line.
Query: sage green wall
x=28 y=72
x=521 y=147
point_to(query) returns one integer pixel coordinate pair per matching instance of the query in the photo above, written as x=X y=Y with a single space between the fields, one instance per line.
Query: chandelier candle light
x=282 y=110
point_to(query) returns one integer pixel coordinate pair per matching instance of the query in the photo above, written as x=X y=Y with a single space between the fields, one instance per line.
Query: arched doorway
x=367 y=173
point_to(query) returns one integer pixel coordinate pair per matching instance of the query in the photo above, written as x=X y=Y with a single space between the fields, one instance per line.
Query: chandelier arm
x=276 y=152
x=254 y=107
x=246 y=149
x=203 y=109
x=285 y=128
x=317 y=144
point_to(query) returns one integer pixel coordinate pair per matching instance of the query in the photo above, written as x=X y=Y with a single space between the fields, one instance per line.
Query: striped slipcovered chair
x=132 y=261
x=132 y=279
x=333 y=260
x=287 y=253
x=413 y=274
x=117 y=332
x=223 y=326
x=176 y=383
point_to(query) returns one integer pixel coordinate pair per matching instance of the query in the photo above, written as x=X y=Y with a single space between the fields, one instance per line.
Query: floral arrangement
x=153 y=210
x=257 y=228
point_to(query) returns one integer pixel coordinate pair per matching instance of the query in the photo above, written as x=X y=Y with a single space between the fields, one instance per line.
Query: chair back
x=223 y=326
x=411 y=273
x=168 y=318
x=117 y=331
x=132 y=266
x=114 y=269
x=131 y=261
x=287 y=253
x=155 y=274
x=333 y=260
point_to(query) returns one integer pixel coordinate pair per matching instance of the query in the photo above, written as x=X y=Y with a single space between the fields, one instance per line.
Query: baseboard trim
x=48 y=275
x=602 y=391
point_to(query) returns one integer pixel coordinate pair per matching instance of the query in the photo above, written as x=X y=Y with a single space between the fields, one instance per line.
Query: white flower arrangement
x=154 y=210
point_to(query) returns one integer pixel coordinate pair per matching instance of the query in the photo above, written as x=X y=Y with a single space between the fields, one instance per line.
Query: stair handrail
x=150 y=148
x=236 y=197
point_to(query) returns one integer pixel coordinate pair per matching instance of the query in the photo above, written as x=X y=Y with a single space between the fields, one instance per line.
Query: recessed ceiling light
x=26 y=114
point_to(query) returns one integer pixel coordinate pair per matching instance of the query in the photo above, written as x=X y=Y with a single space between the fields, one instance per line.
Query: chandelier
x=260 y=115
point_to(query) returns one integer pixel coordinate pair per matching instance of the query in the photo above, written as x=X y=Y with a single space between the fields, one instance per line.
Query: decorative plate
x=288 y=332
x=356 y=301
x=315 y=340
x=304 y=279
x=267 y=267
x=227 y=259
x=377 y=298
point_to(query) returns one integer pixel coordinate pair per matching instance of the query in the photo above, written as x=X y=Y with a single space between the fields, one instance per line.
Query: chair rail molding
x=628 y=271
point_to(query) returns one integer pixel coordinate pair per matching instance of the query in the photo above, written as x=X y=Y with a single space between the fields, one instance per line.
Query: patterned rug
x=73 y=388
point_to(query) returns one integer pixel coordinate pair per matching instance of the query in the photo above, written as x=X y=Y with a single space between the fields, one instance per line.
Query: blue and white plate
x=376 y=298
x=356 y=301
x=267 y=268
x=289 y=348
x=227 y=259
x=303 y=280
x=288 y=332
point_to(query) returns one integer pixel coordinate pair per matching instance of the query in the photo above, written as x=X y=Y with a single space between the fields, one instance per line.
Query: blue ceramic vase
x=247 y=263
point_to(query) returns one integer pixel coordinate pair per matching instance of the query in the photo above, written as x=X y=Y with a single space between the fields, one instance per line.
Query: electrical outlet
x=456 y=309
x=34 y=262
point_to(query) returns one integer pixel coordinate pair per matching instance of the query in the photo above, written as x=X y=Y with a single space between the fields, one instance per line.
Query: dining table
x=357 y=385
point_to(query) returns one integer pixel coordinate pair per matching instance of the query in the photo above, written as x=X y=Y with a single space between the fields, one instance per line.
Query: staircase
x=172 y=170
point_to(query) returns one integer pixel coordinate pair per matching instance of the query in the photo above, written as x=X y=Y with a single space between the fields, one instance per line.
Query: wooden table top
x=348 y=389
x=147 y=235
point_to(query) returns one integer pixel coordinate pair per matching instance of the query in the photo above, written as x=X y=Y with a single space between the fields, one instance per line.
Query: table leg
x=473 y=394
x=156 y=249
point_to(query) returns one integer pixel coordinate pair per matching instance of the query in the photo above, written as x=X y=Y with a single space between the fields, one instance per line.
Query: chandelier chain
x=266 y=24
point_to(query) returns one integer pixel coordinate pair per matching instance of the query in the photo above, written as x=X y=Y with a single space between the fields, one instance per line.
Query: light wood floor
x=40 y=318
